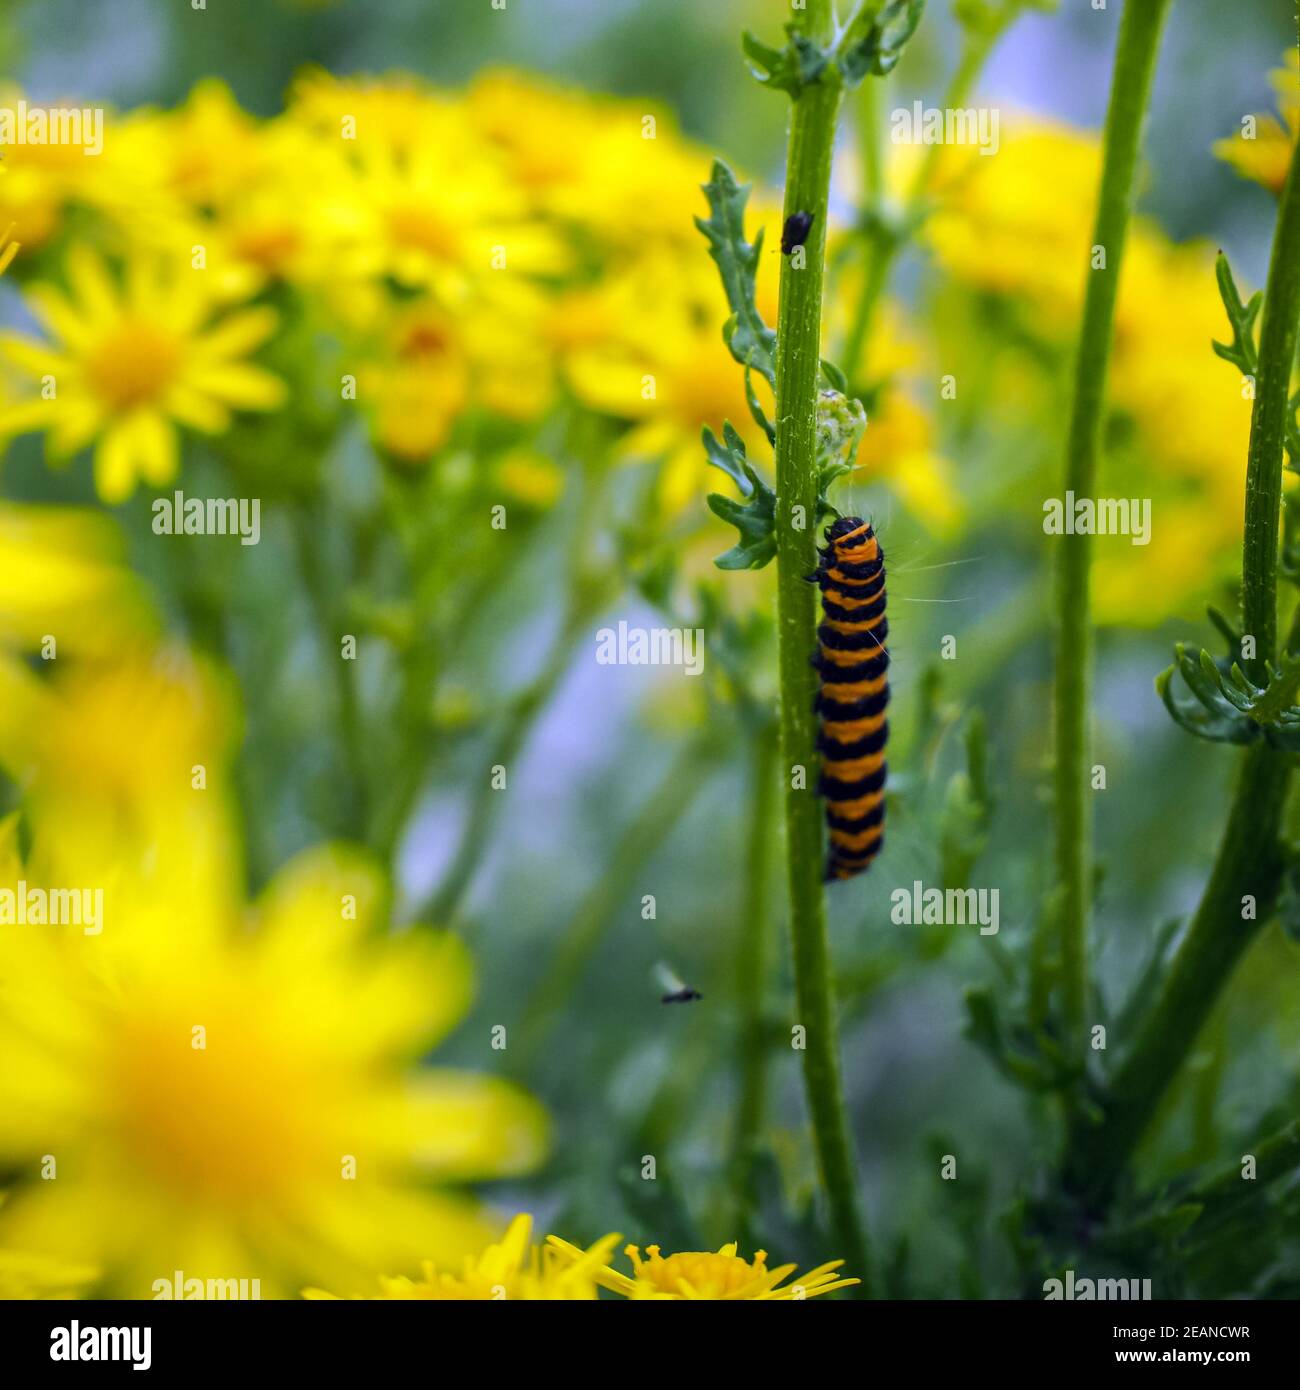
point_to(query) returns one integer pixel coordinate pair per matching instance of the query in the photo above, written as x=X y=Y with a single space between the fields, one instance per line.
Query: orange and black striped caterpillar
x=853 y=665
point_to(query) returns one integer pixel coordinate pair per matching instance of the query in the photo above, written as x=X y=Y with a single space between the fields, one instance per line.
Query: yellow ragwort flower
x=436 y=208
x=129 y=364
x=665 y=369
x=25 y=1276
x=63 y=579
x=510 y=1270
x=1265 y=154
x=246 y=1101
x=702 y=1274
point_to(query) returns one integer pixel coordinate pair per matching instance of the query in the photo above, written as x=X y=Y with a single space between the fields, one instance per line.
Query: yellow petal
x=468 y=1126
x=243 y=386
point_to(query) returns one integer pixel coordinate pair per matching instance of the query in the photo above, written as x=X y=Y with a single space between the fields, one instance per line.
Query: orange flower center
x=133 y=365
x=709 y=1274
x=419 y=227
x=208 y=1108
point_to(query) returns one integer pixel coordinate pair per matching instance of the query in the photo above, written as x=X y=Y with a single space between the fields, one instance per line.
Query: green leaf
x=1230 y=707
x=984 y=1029
x=729 y=457
x=756 y=522
x=841 y=422
x=755 y=518
x=827 y=473
x=1230 y=634
x=1242 y=352
x=874 y=41
x=1215 y=721
x=790 y=69
x=756 y=408
x=967 y=810
x=751 y=341
x=835 y=378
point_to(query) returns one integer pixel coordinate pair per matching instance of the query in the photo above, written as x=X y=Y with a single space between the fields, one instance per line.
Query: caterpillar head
x=843 y=526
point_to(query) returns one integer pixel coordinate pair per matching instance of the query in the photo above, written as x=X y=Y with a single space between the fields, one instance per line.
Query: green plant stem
x=1135 y=57
x=882 y=243
x=808 y=173
x=442 y=906
x=1275 y=1154
x=1268 y=419
x=1250 y=858
x=667 y=804
x=752 y=968
x=321 y=588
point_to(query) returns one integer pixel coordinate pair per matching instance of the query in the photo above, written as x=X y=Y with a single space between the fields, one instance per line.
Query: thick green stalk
x=808 y=175
x=1250 y=858
x=882 y=244
x=1135 y=58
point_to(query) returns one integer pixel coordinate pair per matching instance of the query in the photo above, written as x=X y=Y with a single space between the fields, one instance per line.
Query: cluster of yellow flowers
x=1261 y=150
x=501 y=249
x=197 y=1084
x=1190 y=413
x=559 y=1271
x=194 y=1082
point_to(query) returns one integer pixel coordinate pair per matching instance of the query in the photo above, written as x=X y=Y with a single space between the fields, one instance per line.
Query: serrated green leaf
x=964 y=821
x=827 y=473
x=1230 y=634
x=756 y=408
x=1230 y=707
x=755 y=518
x=751 y=342
x=730 y=457
x=874 y=43
x=790 y=69
x=1214 y=725
x=1241 y=352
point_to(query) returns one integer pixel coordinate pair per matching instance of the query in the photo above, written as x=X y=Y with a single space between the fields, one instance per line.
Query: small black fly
x=682 y=996
x=676 y=990
x=797 y=227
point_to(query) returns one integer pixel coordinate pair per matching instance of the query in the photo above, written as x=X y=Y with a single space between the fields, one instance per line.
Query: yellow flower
x=122 y=765
x=261 y=194
x=63 y=578
x=993 y=227
x=417 y=388
x=206 y=153
x=1190 y=420
x=898 y=446
x=246 y=1102
x=619 y=168
x=699 y=1274
x=666 y=369
x=1266 y=156
x=25 y=1276
x=436 y=209
x=129 y=364
x=44 y=181
x=510 y=1270
x=530 y=477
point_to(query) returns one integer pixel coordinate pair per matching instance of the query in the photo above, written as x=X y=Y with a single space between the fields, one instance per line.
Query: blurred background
x=477 y=648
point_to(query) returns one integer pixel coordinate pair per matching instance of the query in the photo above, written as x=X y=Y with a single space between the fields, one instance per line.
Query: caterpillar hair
x=853 y=664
